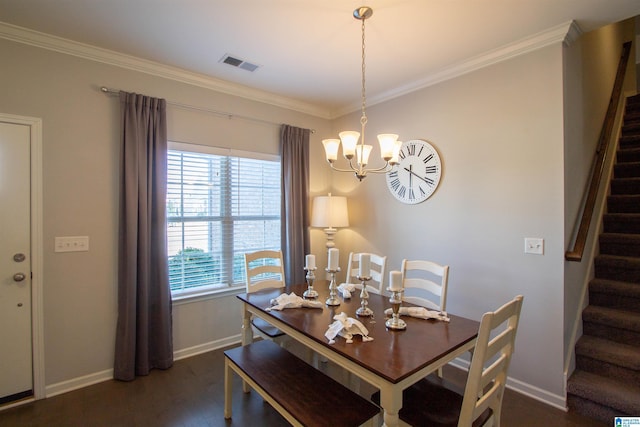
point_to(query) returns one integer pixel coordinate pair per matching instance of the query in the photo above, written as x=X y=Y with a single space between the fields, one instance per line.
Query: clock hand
x=410 y=176
x=413 y=173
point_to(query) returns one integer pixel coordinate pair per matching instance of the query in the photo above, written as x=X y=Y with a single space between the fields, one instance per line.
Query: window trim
x=211 y=292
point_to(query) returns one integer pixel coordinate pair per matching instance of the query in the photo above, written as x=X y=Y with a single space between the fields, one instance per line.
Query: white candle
x=365 y=265
x=334 y=256
x=310 y=262
x=395 y=281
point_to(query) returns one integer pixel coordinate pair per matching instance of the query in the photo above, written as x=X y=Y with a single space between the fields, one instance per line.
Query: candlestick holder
x=311 y=276
x=333 y=288
x=396 y=300
x=364 y=311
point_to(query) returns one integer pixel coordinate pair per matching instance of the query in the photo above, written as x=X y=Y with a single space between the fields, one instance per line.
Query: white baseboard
x=106 y=375
x=526 y=389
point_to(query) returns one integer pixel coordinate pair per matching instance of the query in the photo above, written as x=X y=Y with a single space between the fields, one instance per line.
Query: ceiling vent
x=240 y=63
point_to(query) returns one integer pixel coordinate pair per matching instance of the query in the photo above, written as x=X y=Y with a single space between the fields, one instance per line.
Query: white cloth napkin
x=292 y=301
x=345 y=289
x=420 y=312
x=346 y=327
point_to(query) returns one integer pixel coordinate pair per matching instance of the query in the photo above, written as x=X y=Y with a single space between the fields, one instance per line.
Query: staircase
x=606 y=382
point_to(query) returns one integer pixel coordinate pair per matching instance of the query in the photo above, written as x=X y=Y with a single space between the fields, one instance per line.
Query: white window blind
x=219 y=206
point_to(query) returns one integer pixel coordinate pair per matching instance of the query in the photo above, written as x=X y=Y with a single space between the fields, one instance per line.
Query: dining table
x=392 y=361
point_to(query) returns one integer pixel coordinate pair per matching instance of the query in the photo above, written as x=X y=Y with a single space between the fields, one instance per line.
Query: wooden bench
x=299 y=392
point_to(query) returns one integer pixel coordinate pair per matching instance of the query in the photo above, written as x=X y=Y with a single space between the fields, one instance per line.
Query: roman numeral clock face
x=417 y=175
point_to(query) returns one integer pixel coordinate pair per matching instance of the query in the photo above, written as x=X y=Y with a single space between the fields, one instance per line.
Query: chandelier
x=389 y=144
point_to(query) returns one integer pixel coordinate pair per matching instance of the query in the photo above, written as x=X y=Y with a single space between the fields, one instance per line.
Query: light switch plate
x=533 y=245
x=72 y=244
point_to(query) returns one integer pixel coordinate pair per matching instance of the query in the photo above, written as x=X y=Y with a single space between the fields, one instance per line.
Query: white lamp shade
x=349 y=140
x=363 y=152
x=331 y=148
x=395 y=157
x=387 y=142
x=329 y=212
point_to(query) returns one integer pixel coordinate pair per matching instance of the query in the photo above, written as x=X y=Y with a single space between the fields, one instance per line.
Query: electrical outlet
x=72 y=244
x=533 y=245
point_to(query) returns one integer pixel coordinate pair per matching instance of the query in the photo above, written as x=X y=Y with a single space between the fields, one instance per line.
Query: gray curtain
x=294 y=157
x=143 y=333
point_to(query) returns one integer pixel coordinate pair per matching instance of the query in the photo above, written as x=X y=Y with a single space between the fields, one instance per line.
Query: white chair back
x=263 y=269
x=378 y=270
x=491 y=357
x=425 y=283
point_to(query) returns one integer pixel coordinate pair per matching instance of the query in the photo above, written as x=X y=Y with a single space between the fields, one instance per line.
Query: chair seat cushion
x=266 y=328
x=433 y=402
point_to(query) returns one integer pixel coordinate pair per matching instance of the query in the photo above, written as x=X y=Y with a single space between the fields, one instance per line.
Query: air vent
x=240 y=63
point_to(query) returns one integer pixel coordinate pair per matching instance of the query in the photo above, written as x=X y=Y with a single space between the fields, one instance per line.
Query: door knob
x=19 y=277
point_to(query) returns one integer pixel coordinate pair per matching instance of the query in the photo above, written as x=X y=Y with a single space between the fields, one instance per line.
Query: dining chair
x=378 y=269
x=435 y=401
x=425 y=283
x=264 y=270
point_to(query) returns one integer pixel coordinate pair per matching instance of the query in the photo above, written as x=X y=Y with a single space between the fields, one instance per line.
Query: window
x=220 y=204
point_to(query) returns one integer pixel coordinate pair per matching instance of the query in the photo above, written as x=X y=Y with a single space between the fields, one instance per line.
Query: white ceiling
x=309 y=50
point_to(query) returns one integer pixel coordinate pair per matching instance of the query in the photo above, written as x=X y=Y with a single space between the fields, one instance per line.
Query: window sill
x=207 y=295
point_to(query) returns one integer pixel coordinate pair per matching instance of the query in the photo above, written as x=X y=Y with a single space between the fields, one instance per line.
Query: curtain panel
x=144 y=328
x=294 y=158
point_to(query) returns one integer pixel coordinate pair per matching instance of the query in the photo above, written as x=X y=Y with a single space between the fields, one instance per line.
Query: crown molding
x=564 y=33
x=106 y=56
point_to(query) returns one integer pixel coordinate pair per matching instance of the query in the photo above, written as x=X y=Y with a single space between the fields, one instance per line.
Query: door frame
x=37 y=307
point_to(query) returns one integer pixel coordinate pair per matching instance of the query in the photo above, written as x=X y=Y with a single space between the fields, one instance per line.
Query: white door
x=16 y=366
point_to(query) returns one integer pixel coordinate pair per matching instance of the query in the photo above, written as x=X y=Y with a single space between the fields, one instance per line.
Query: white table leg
x=391 y=402
x=247 y=337
x=227 y=389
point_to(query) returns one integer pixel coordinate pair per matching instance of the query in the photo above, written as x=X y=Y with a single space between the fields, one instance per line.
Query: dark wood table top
x=393 y=354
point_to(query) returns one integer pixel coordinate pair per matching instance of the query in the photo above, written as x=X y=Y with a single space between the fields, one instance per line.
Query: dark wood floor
x=190 y=394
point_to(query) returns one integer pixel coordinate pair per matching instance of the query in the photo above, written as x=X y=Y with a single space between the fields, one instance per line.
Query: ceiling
x=309 y=50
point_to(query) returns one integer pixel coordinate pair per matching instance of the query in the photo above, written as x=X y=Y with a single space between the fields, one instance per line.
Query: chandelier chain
x=364 y=93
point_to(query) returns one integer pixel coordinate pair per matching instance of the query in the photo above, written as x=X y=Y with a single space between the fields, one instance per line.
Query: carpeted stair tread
x=616 y=267
x=614 y=318
x=620 y=244
x=623 y=203
x=627 y=356
x=628 y=152
x=615 y=287
x=627 y=170
x=625 y=186
x=605 y=391
x=621 y=223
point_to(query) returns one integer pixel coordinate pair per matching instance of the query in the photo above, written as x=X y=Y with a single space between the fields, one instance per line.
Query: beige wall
x=499 y=132
x=81 y=150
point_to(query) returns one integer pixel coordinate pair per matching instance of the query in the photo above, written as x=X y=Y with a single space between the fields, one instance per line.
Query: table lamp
x=330 y=212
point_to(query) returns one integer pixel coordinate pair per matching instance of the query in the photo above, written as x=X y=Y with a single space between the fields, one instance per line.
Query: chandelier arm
x=352 y=169
x=384 y=169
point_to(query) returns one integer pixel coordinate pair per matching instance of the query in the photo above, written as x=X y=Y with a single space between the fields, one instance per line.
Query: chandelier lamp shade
x=357 y=153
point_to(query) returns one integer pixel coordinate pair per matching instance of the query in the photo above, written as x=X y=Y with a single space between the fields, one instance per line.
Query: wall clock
x=417 y=175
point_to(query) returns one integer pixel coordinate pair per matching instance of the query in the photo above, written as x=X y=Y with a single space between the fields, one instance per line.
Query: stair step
x=627 y=142
x=616 y=267
x=614 y=294
x=625 y=223
x=625 y=186
x=623 y=203
x=608 y=358
x=627 y=170
x=620 y=244
x=622 y=399
x=627 y=154
x=616 y=325
x=632 y=128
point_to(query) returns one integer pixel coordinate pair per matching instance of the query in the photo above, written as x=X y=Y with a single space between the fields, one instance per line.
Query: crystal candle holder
x=333 y=288
x=311 y=276
x=396 y=301
x=364 y=310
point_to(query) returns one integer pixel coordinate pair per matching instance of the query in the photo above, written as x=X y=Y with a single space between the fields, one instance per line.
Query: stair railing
x=575 y=253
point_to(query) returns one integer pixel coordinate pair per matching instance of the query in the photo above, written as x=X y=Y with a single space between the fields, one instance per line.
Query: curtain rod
x=228 y=115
